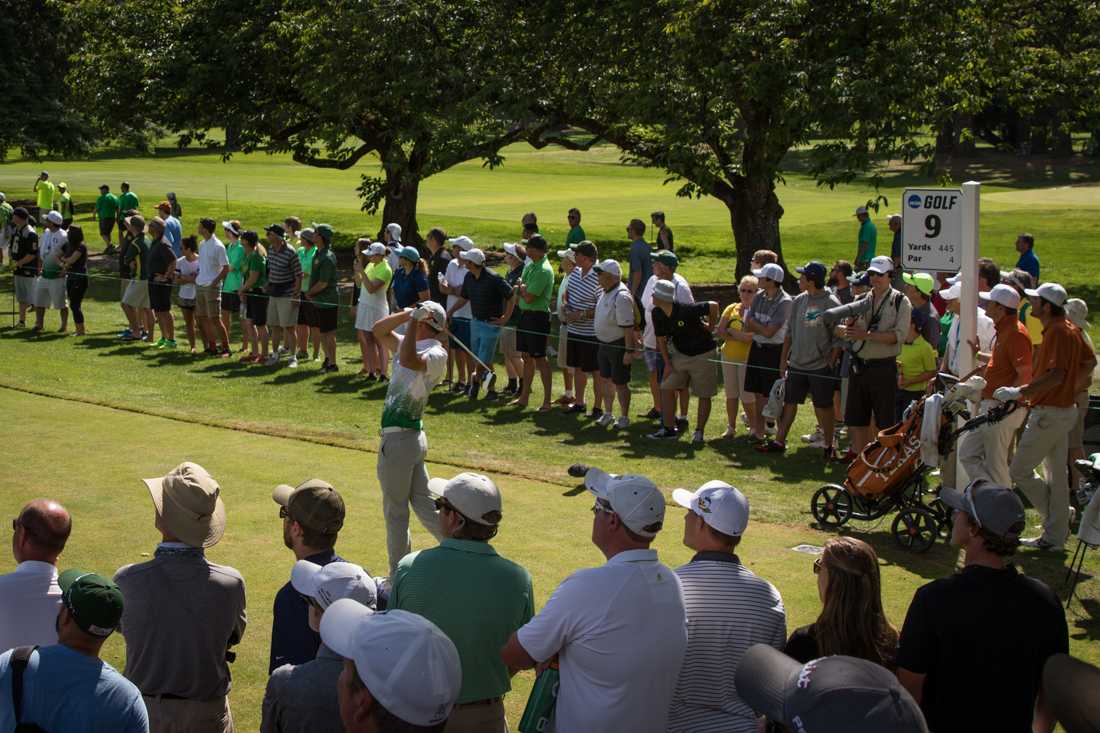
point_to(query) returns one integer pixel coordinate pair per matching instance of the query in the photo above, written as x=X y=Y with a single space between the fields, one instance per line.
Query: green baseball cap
x=922 y=281
x=94 y=601
x=325 y=230
x=667 y=258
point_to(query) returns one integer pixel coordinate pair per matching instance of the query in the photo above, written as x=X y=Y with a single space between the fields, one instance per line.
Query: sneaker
x=653 y=414
x=224 y=353
x=596 y=414
x=303 y=355
x=576 y=407
x=681 y=424
x=769 y=427
x=272 y=359
x=330 y=368
x=729 y=433
x=371 y=377
x=473 y=389
x=494 y=395
x=281 y=350
x=818 y=442
x=293 y=362
x=122 y=334
x=382 y=379
x=563 y=400
x=814 y=437
x=605 y=419
x=771 y=446
x=664 y=433
x=458 y=387
x=622 y=423
x=1040 y=544
x=169 y=344
x=697 y=439
x=144 y=335
x=160 y=342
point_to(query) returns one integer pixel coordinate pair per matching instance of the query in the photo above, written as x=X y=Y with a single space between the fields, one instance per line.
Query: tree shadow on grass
x=291 y=376
x=98 y=342
x=340 y=384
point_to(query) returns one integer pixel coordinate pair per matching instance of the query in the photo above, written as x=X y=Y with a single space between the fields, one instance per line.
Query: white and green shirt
x=409 y=389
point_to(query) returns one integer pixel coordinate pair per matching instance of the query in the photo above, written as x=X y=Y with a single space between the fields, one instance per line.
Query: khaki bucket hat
x=189 y=504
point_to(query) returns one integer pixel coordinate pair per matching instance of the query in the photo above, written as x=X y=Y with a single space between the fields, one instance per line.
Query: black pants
x=76 y=285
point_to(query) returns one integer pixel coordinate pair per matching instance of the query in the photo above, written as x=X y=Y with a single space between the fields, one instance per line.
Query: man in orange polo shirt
x=1062 y=365
x=984 y=452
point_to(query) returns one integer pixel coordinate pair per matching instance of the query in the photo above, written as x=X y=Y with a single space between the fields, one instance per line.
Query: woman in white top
x=373 y=276
x=568 y=264
x=187 y=269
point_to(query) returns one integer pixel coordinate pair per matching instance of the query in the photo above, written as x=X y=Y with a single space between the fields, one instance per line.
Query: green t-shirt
x=915 y=359
x=45 y=191
x=5 y=214
x=126 y=202
x=324 y=270
x=65 y=207
x=305 y=259
x=106 y=207
x=254 y=262
x=865 y=247
x=234 y=252
x=576 y=235
x=539 y=279
x=477 y=598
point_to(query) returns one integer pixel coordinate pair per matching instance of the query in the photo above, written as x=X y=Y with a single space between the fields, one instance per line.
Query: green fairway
x=91 y=459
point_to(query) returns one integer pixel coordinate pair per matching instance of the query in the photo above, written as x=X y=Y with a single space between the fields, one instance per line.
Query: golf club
x=492 y=378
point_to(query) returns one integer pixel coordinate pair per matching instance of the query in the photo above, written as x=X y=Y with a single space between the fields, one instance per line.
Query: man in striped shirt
x=284 y=282
x=728 y=609
x=580 y=312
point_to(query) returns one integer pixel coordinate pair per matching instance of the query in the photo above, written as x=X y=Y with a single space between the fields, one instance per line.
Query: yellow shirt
x=916 y=359
x=735 y=351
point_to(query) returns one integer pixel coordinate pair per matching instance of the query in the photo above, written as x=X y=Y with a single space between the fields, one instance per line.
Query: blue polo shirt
x=1029 y=263
x=292 y=641
x=407 y=287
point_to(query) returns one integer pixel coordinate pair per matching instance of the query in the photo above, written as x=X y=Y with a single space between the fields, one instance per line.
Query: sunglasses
x=441 y=504
x=879 y=274
x=603 y=507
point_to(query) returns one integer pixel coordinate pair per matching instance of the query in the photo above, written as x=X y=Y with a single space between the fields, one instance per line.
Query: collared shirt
x=292 y=641
x=729 y=609
x=986 y=332
x=641 y=261
x=614 y=313
x=66 y=691
x=476 y=597
x=303 y=698
x=538 y=277
x=1029 y=263
x=173 y=232
x=408 y=390
x=685 y=328
x=212 y=258
x=878 y=315
x=1011 y=352
x=29 y=600
x=456 y=276
x=682 y=294
x=51 y=246
x=487 y=294
x=283 y=266
x=620 y=632
x=1062 y=348
x=865 y=242
x=437 y=264
x=24 y=242
x=181 y=613
x=584 y=291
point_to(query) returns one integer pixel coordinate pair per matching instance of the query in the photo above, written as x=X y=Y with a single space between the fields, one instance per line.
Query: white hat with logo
x=474 y=255
x=327 y=584
x=611 y=267
x=463 y=242
x=475 y=496
x=771 y=271
x=1050 y=292
x=881 y=265
x=1002 y=294
x=636 y=499
x=720 y=505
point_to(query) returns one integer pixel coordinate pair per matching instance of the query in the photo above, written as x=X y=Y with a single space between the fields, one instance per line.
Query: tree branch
x=301 y=155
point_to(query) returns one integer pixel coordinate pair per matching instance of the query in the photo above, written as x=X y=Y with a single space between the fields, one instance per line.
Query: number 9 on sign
x=932 y=225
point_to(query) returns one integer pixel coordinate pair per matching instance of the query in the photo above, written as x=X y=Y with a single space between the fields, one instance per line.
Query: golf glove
x=421 y=313
x=1007 y=394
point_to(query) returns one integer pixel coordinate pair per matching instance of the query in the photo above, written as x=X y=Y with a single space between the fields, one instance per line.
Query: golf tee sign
x=932 y=229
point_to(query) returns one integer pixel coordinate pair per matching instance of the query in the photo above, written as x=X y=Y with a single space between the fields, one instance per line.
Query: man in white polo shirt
x=30 y=596
x=213 y=269
x=619 y=630
x=729 y=609
x=614 y=325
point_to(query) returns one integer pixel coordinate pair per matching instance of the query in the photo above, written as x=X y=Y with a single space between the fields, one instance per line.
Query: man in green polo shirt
x=576 y=233
x=106 y=213
x=127 y=200
x=307 y=311
x=535 y=290
x=868 y=236
x=475 y=596
x=322 y=293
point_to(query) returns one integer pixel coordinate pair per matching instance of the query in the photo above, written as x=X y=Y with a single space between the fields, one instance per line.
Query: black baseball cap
x=276 y=228
x=814 y=271
x=829 y=694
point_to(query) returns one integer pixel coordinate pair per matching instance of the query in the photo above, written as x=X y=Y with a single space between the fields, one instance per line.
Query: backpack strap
x=20 y=656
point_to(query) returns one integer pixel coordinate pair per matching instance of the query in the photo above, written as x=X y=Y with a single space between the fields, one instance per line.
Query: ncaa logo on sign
x=914 y=201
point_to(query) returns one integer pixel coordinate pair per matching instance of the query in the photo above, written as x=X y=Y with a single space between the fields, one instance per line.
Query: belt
x=165 y=696
x=883 y=360
x=475 y=703
x=387 y=431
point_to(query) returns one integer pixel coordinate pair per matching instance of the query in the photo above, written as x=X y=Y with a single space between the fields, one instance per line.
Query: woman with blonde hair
x=735 y=351
x=851 y=621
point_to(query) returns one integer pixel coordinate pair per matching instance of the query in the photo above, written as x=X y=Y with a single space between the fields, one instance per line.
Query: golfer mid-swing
x=419 y=362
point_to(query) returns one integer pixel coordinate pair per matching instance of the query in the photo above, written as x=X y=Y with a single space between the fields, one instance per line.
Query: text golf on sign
x=931 y=229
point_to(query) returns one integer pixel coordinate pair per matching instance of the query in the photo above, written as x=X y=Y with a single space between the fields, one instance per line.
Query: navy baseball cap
x=814 y=270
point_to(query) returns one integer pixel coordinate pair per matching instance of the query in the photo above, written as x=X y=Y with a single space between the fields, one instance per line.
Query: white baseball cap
x=636 y=499
x=860 y=210
x=770 y=271
x=664 y=290
x=54 y=217
x=1077 y=311
x=463 y=242
x=376 y=248
x=437 y=316
x=475 y=496
x=1050 y=292
x=327 y=584
x=611 y=267
x=567 y=254
x=395 y=231
x=953 y=292
x=881 y=265
x=720 y=505
x=510 y=248
x=406 y=662
x=1002 y=294
x=473 y=255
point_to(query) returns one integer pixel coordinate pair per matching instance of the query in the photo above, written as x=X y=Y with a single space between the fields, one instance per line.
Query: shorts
x=580 y=353
x=460 y=331
x=307 y=314
x=106 y=226
x=24 y=289
x=231 y=301
x=532 y=332
x=871 y=392
x=763 y=368
x=507 y=342
x=160 y=296
x=255 y=308
x=50 y=293
x=818 y=383
x=609 y=358
x=368 y=313
x=282 y=312
x=137 y=294
x=208 y=301
x=733 y=382
x=697 y=372
x=483 y=340
x=187 y=304
x=563 y=345
x=326 y=319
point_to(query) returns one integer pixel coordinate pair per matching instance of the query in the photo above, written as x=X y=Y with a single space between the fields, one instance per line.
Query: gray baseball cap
x=830 y=694
x=994 y=508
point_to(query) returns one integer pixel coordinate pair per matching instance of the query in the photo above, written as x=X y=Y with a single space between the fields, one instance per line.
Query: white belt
x=387 y=431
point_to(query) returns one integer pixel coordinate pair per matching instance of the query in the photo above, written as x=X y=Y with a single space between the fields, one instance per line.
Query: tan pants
x=984 y=452
x=404 y=481
x=481 y=718
x=1046 y=442
x=189 y=716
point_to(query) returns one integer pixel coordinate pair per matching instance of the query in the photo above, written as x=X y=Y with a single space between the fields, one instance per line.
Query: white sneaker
x=744 y=419
x=605 y=419
x=281 y=350
x=272 y=359
x=817 y=442
x=293 y=363
x=622 y=423
x=729 y=433
x=769 y=427
x=813 y=437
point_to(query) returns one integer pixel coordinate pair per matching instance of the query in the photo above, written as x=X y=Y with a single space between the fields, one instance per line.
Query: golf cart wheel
x=943 y=516
x=831 y=505
x=915 y=529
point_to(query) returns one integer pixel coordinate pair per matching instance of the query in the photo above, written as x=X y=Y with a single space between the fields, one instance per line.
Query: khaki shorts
x=50 y=293
x=24 y=289
x=697 y=372
x=507 y=342
x=733 y=381
x=137 y=294
x=282 y=312
x=208 y=302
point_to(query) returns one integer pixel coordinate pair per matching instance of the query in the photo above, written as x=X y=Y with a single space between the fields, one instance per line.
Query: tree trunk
x=754 y=216
x=402 y=188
